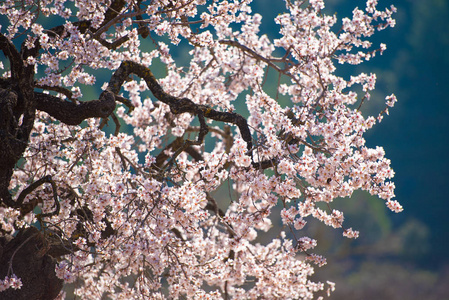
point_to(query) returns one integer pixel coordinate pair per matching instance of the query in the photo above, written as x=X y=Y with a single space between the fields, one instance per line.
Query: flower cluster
x=10 y=282
x=150 y=211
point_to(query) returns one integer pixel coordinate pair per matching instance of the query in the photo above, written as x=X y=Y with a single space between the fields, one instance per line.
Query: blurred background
x=398 y=256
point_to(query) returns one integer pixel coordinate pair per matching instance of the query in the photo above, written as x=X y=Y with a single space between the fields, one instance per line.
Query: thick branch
x=26 y=209
x=177 y=105
x=73 y=114
x=13 y=55
x=59 y=89
x=26 y=255
x=113 y=10
x=12 y=141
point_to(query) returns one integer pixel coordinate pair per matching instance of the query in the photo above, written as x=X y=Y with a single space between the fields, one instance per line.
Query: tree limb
x=73 y=114
x=178 y=105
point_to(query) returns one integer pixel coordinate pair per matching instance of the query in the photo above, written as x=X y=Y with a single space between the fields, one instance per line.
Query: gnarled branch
x=73 y=114
x=178 y=105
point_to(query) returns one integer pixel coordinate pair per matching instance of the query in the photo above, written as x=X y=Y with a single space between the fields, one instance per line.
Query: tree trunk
x=26 y=255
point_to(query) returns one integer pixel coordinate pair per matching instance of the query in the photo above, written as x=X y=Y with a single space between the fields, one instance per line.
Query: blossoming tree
x=134 y=213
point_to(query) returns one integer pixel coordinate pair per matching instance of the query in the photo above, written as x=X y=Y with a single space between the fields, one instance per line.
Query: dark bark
x=13 y=141
x=27 y=255
x=73 y=114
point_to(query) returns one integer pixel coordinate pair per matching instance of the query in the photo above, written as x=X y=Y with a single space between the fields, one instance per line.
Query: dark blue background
x=415 y=135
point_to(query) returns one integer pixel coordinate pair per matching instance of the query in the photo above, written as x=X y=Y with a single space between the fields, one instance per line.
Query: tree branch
x=58 y=89
x=73 y=114
x=12 y=142
x=13 y=55
x=178 y=105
